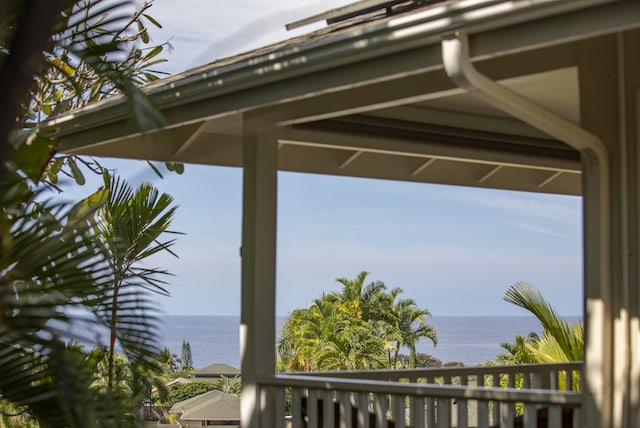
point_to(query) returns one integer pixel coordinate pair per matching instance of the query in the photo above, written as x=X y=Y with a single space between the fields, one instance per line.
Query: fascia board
x=378 y=39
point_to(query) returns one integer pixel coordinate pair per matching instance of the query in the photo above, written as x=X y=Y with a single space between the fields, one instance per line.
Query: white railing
x=506 y=396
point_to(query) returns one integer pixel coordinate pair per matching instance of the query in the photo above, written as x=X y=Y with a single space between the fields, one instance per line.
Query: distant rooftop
x=210 y=406
x=217 y=370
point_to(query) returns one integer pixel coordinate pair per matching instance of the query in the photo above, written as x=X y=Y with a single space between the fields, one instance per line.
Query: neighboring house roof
x=210 y=406
x=178 y=380
x=216 y=370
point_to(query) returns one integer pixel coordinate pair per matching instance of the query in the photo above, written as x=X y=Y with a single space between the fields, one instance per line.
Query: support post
x=608 y=94
x=257 y=329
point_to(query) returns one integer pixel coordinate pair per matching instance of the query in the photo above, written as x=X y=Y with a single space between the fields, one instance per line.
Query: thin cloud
x=537 y=228
x=530 y=206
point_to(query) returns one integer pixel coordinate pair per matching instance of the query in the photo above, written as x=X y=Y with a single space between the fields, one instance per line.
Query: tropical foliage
x=131 y=227
x=360 y=327
x=186 y=361
x=60 y=280
x=520 y=351
x=561 y=340
x=183 y=391
x=56 y=55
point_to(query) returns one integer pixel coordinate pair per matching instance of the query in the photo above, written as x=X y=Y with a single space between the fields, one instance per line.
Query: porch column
x=609 y=108
x=257 y=329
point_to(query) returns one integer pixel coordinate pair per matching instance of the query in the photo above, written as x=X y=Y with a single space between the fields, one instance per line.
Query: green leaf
x=176 y=167
x=78 y=176
x=87 y=206
x=153 y=52
x=155 y=169
x=56 y=165
x=152 y=20
x=33 y=154
x=144 y=35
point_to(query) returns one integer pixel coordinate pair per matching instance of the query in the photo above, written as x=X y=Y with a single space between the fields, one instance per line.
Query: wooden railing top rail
x=445 y=371
x=537 y=396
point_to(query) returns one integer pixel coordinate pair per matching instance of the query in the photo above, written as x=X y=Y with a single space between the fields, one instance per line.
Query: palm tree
x=232 y=385
x=519 y=352
x=561 y=341
x=355 y=328
x=169 y=361
x=412 y=327
x=52 y=269
x=130 y=227
x=49 y=270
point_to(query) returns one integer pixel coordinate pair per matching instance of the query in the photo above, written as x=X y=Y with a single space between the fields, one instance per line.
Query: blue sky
x=454 y=250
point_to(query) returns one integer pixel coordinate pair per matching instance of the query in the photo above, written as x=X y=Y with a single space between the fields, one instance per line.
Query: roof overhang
x=373 y=100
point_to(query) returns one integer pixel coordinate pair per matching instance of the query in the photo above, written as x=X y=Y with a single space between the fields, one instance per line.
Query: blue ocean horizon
x=471 y=340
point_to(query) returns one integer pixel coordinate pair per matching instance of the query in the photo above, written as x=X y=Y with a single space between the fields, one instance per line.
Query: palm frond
x=567 y=336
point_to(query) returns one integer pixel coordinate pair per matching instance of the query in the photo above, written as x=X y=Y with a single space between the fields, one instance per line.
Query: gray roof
x=217 y=370
x=211 y=406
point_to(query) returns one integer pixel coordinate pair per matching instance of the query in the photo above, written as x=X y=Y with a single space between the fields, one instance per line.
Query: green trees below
x=184 y=391
x=360 y=327
x=187 y=359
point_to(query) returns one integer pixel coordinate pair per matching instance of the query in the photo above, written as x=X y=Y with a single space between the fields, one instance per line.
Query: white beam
x=257 y=329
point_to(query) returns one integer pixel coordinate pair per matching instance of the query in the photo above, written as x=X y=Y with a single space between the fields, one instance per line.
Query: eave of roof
x=212 y=405
x=337 y=45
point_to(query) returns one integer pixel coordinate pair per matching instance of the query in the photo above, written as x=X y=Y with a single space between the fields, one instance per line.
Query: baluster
x=279 y=410
x=399 y=413
x=536 y=380
x=554 y=416
x=526 y=380
x=443 y=413
x=431 y=412
x=417 y=412
x=554 y=380
x=312 y=409
x=510 y=407
x=327 y=409
x=577 y=417
x=530 y=415
x=545 y=379
x=363 y=410
x=296 y=407
x=380 y=410
x=483 y=414
x=506 y=414
x=344 y=400
x=463 y=407
x=267 y=414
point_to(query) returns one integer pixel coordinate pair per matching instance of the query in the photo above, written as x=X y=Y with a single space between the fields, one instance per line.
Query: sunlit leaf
x=77 y=174
x=34 y=153
x=152 y=20
x=153 y=52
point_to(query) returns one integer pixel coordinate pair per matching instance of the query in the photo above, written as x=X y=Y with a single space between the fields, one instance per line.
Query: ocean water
x=471 y=340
